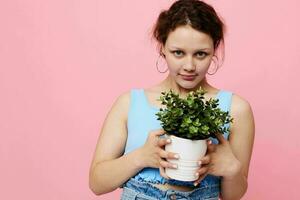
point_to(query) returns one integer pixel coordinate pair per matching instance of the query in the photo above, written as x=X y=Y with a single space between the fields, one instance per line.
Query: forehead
x=189 y=38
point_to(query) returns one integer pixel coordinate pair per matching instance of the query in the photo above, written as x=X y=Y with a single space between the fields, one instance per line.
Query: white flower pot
x=190 y=152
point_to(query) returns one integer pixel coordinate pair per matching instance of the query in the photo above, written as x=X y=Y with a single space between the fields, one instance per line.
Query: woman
x=130 y=150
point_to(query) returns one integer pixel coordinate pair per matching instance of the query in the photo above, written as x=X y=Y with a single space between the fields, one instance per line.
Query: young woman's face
x=188 y=52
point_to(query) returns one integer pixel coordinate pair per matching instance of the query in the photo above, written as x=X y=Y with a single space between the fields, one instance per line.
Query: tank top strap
x=137 y=98
x=225 y=100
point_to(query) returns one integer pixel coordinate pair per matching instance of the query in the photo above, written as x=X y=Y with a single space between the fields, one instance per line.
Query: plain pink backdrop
x=64 y=62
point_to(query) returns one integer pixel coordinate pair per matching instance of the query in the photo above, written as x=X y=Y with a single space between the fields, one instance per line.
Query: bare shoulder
x=241 y=112
x=122 y=104
x=239 y=105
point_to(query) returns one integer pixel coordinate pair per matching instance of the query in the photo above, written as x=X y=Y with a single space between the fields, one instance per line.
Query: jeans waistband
x=150 y=190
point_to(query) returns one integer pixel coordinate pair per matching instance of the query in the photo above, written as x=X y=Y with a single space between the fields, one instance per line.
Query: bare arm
x=109 y=175
x=241 y=141
x=109 y=168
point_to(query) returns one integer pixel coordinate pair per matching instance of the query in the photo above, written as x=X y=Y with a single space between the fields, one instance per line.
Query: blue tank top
x=142 y=119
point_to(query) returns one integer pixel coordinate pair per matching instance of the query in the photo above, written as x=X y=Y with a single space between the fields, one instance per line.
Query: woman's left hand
x=219 y=160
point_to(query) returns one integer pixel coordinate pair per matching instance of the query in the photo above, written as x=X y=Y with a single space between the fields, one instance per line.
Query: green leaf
x=192 y=117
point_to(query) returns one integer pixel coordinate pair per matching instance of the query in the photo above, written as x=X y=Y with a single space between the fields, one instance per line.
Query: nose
x=189 y=65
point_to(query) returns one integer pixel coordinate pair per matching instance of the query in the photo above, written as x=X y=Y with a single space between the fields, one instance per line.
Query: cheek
x=202 y=70
x=204 y=66
x=174 y=66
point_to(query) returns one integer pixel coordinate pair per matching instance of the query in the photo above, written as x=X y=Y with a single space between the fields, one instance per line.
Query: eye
x=177 y=52
x=202 y=54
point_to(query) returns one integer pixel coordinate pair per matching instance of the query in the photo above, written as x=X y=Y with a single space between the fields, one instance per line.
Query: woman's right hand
x=154 y=154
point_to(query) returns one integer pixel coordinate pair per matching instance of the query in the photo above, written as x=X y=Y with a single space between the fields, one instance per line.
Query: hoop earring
x=216 y=66
x=157 y=63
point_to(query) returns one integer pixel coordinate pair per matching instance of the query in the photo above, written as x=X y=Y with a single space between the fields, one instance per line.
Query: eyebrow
x=196 y=50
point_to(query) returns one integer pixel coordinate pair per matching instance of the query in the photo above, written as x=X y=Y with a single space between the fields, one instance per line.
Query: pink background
x=64 y=62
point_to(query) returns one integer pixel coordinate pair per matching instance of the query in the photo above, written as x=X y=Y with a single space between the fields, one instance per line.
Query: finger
x=211 y=148
x=211 y=168
x=220 y=137
x=163 y=173
x=168 y=155
x=201 y=177
x=167 y=164
x=209 y=142
x=163 y=142
x=202 y=170
x=158 y=132
x=205 y=160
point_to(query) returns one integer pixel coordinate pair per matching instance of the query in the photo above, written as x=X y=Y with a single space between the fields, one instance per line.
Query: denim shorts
x=138 y=190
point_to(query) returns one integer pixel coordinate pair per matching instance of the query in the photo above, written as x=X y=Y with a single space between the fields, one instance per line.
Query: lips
x=188 y=77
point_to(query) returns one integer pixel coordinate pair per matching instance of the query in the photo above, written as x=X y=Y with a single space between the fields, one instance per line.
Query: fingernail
x=176 y=156
x=209 y=142
x=196 y=174
x=174 y=165
x=195 y=184
x=168 y=140
x=199 y=163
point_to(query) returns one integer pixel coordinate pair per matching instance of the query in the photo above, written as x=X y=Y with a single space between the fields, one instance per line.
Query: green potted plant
x=189 y=122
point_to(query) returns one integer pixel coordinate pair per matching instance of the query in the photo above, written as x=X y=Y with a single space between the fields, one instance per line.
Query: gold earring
x=158 y=61
x=216 y=66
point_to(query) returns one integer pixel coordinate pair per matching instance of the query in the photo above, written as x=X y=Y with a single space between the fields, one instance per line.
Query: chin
x=189 y=85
